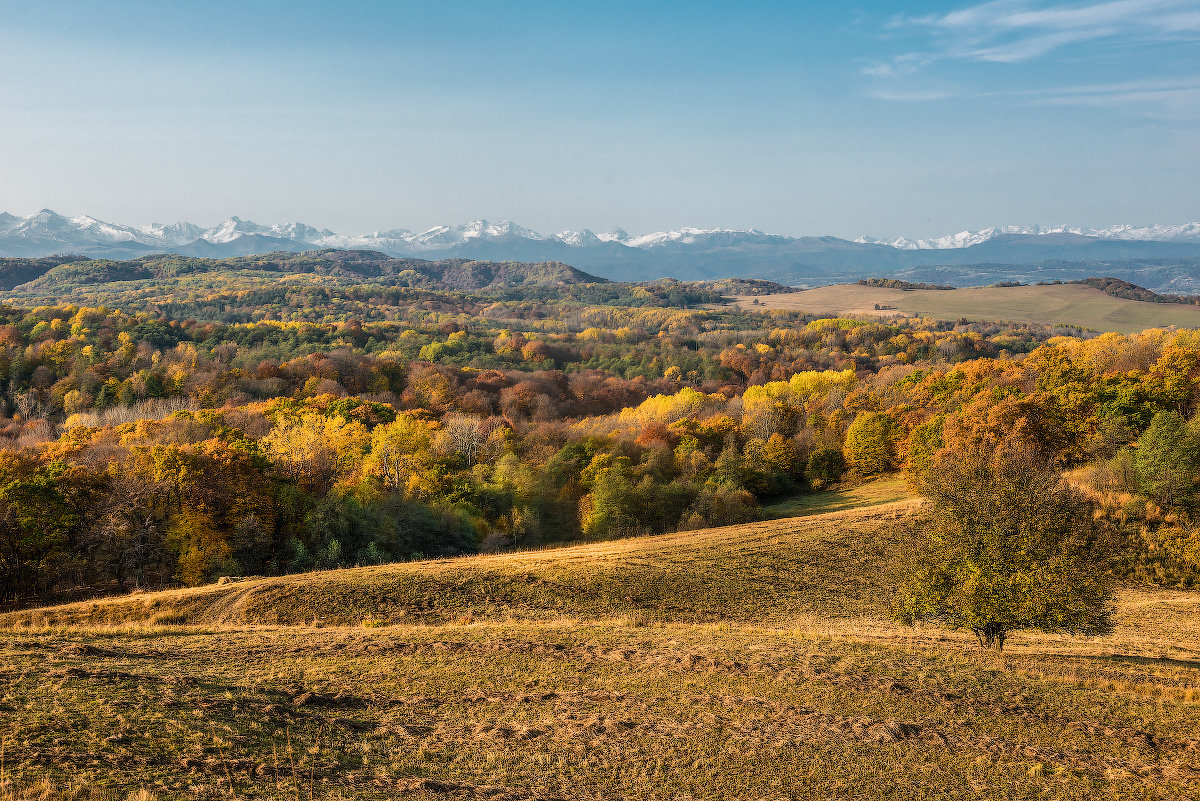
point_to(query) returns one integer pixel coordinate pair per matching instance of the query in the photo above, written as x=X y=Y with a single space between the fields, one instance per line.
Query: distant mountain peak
x=577 y=238
x=615 y=235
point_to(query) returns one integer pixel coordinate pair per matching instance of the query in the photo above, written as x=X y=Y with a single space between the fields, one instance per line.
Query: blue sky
x=799 y=118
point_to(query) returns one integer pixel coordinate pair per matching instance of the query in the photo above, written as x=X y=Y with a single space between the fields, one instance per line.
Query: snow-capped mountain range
x=965 y=239
x=47 y=226
x=686 y=253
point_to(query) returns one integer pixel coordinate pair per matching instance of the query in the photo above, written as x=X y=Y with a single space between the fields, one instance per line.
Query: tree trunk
x=991 y=636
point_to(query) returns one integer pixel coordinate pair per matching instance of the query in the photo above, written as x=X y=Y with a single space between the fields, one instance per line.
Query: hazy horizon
x=798 y=120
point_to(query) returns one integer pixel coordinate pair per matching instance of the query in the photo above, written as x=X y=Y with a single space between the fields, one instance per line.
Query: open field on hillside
x=815 y=565
x=769 y=674
x=1067 y=304
x=873 y=493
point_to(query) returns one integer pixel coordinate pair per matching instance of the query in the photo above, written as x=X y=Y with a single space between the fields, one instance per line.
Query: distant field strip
x=1068 y=304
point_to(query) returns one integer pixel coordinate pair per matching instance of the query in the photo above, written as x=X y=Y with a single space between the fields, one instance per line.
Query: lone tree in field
x=1010 y=547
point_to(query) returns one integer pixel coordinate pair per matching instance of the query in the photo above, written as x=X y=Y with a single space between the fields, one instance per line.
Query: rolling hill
x=822 y=564
x=1077 y=305
x=60 y=276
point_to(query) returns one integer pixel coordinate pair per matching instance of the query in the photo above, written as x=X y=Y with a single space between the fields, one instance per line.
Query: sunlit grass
x=871 y=493
x=747 y=662
x=821 y=564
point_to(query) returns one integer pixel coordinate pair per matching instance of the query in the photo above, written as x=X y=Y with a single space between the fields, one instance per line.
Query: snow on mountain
x=101 y=231
x=230 y=230
x=179 y=233
x=235 y=227
x=963 y=239
x=615 y=235
x=401 y=241
x=578 y=239
x=383 y=241
x=686 y=236
x=47 y=232
x=47 y=228
x=299 y=231
x=966 y=239
x=1158 y=233
x=477 y=230
x=588 y=238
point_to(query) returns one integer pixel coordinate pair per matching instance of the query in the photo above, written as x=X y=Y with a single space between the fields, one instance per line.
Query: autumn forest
x=229 y=423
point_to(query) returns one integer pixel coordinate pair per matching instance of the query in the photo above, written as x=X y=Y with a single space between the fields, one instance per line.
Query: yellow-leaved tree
x=872 y=443
x=317 y=451
x=401 y=455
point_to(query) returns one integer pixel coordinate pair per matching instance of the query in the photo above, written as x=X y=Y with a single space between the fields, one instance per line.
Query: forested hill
x=1124 y=289
x=60 y=275
x=14 y=272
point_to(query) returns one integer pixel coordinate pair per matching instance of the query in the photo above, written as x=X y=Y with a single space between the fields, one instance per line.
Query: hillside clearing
x=822 y=565
x=610 y=709
x=873 y=493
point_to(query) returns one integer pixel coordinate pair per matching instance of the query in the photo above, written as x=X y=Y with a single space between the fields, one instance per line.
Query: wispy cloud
x=1165 y=99
x=1010 y=31
x=1018 y=31
x=904 y=64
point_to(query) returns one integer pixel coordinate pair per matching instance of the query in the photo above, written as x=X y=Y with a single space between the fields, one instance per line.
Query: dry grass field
x=1067 y=304
x=747 y=662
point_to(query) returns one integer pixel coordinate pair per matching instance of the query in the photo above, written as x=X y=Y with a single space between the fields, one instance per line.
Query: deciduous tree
x=1010 y=547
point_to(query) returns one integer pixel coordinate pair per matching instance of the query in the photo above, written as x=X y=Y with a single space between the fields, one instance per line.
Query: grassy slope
x=1070 y=304
x=789 y=695
x=817 y=565
x=873 y=493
